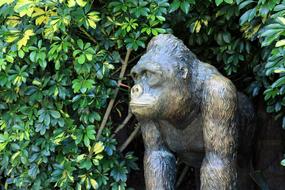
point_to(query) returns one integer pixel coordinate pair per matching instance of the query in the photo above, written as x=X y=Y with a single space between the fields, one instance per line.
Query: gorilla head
x=162 y=78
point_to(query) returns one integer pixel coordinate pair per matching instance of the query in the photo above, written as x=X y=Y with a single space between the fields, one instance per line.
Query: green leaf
x=80 y=157
x=24 y=7
x=97 y=116
x=87 y=164
x=33 y=171
x=21 y=53
x=81 y=59
x=81 y=3
x=279 y=82
x=119 y=173
x=89 y=57
x=280 y=43
x=283 y=162
x=90 y=132
x=33 y=55
x=3 y=2
x=76 y=85
x=87 y=85
x=86 y=141
x=245 y=3
x=218 y=2
x=174 y=5
x=9 y=58
x=4 y=138
x=229 y=1
x=47 y=119
x=227 y=37
x=281 y=20
x=94 y=184
x=185 y=6
x=247 y=16
x=71 y=3
x=15 y=155
x=55 y=114
x=80 y=44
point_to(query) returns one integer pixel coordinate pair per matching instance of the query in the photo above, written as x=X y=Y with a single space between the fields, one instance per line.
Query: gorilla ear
x=184 y=72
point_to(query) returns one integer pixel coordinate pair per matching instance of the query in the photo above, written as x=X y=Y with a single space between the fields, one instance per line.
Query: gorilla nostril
x=136 y=90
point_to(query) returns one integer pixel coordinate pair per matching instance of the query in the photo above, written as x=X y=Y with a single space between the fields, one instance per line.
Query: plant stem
x=126 y=120
x=181 y=177
x=129 y=140
x=112 y=101
x=88 y=35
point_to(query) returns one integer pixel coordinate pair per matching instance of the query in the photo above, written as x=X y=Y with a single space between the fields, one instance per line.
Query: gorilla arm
x=218 y=171
x=159 y=162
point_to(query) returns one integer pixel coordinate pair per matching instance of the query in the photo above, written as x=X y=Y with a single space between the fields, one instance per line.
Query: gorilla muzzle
x=140 y=98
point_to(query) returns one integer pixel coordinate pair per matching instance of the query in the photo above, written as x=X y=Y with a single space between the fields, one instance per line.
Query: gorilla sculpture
x=187 y=108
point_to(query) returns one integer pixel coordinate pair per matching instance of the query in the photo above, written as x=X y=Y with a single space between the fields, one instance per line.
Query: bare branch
x=126 y=120
x=129 y=140
x=181 y=177
x=112 y=101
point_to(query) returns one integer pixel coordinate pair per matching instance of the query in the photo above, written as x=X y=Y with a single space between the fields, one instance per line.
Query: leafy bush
x=56 y=76
x=55 y=82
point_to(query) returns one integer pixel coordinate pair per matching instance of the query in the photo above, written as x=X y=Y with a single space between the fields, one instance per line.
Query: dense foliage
x=56 y=64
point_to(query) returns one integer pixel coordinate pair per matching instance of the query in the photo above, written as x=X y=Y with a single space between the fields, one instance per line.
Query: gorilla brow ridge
x=168 y=44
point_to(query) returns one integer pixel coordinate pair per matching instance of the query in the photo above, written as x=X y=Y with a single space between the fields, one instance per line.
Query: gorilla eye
x=153 y=78
x=135 y=76
x=148 y=74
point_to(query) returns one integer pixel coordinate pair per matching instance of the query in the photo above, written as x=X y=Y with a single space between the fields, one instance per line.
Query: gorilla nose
x=136 y=90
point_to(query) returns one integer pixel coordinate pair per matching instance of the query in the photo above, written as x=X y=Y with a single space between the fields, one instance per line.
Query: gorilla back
x=186 y=107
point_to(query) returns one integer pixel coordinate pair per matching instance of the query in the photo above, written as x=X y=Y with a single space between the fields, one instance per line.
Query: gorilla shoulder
x=219 y=96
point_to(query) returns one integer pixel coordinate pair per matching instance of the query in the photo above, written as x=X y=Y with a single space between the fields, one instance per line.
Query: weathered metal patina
x=187 y=108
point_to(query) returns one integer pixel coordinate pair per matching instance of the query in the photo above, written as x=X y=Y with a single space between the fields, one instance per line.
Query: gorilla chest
x=189 y=139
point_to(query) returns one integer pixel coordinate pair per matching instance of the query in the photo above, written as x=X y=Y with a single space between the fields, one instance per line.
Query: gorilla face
x=157 y=90
x=146 y=92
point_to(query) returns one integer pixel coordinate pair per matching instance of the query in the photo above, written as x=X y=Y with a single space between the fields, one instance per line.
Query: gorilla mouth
x=138 y=104
x=144 y=100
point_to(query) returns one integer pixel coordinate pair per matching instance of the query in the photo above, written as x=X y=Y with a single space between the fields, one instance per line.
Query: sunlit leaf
x=280 y=43
x=25 y=7
x=2 y=2
x=81 y=3
x=94 y=184
x=23 y=42
x=98 y=148
x=71 y=3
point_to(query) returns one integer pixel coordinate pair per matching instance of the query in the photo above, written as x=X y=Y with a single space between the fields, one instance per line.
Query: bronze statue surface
x=187 y=108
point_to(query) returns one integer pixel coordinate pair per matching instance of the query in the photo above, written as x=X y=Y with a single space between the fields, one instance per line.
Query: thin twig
x=129 y=140
x=112 y=101
x=117 y=70
x=133 y=59
x=126 y=120
x=88 y=35
x=181 y=177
